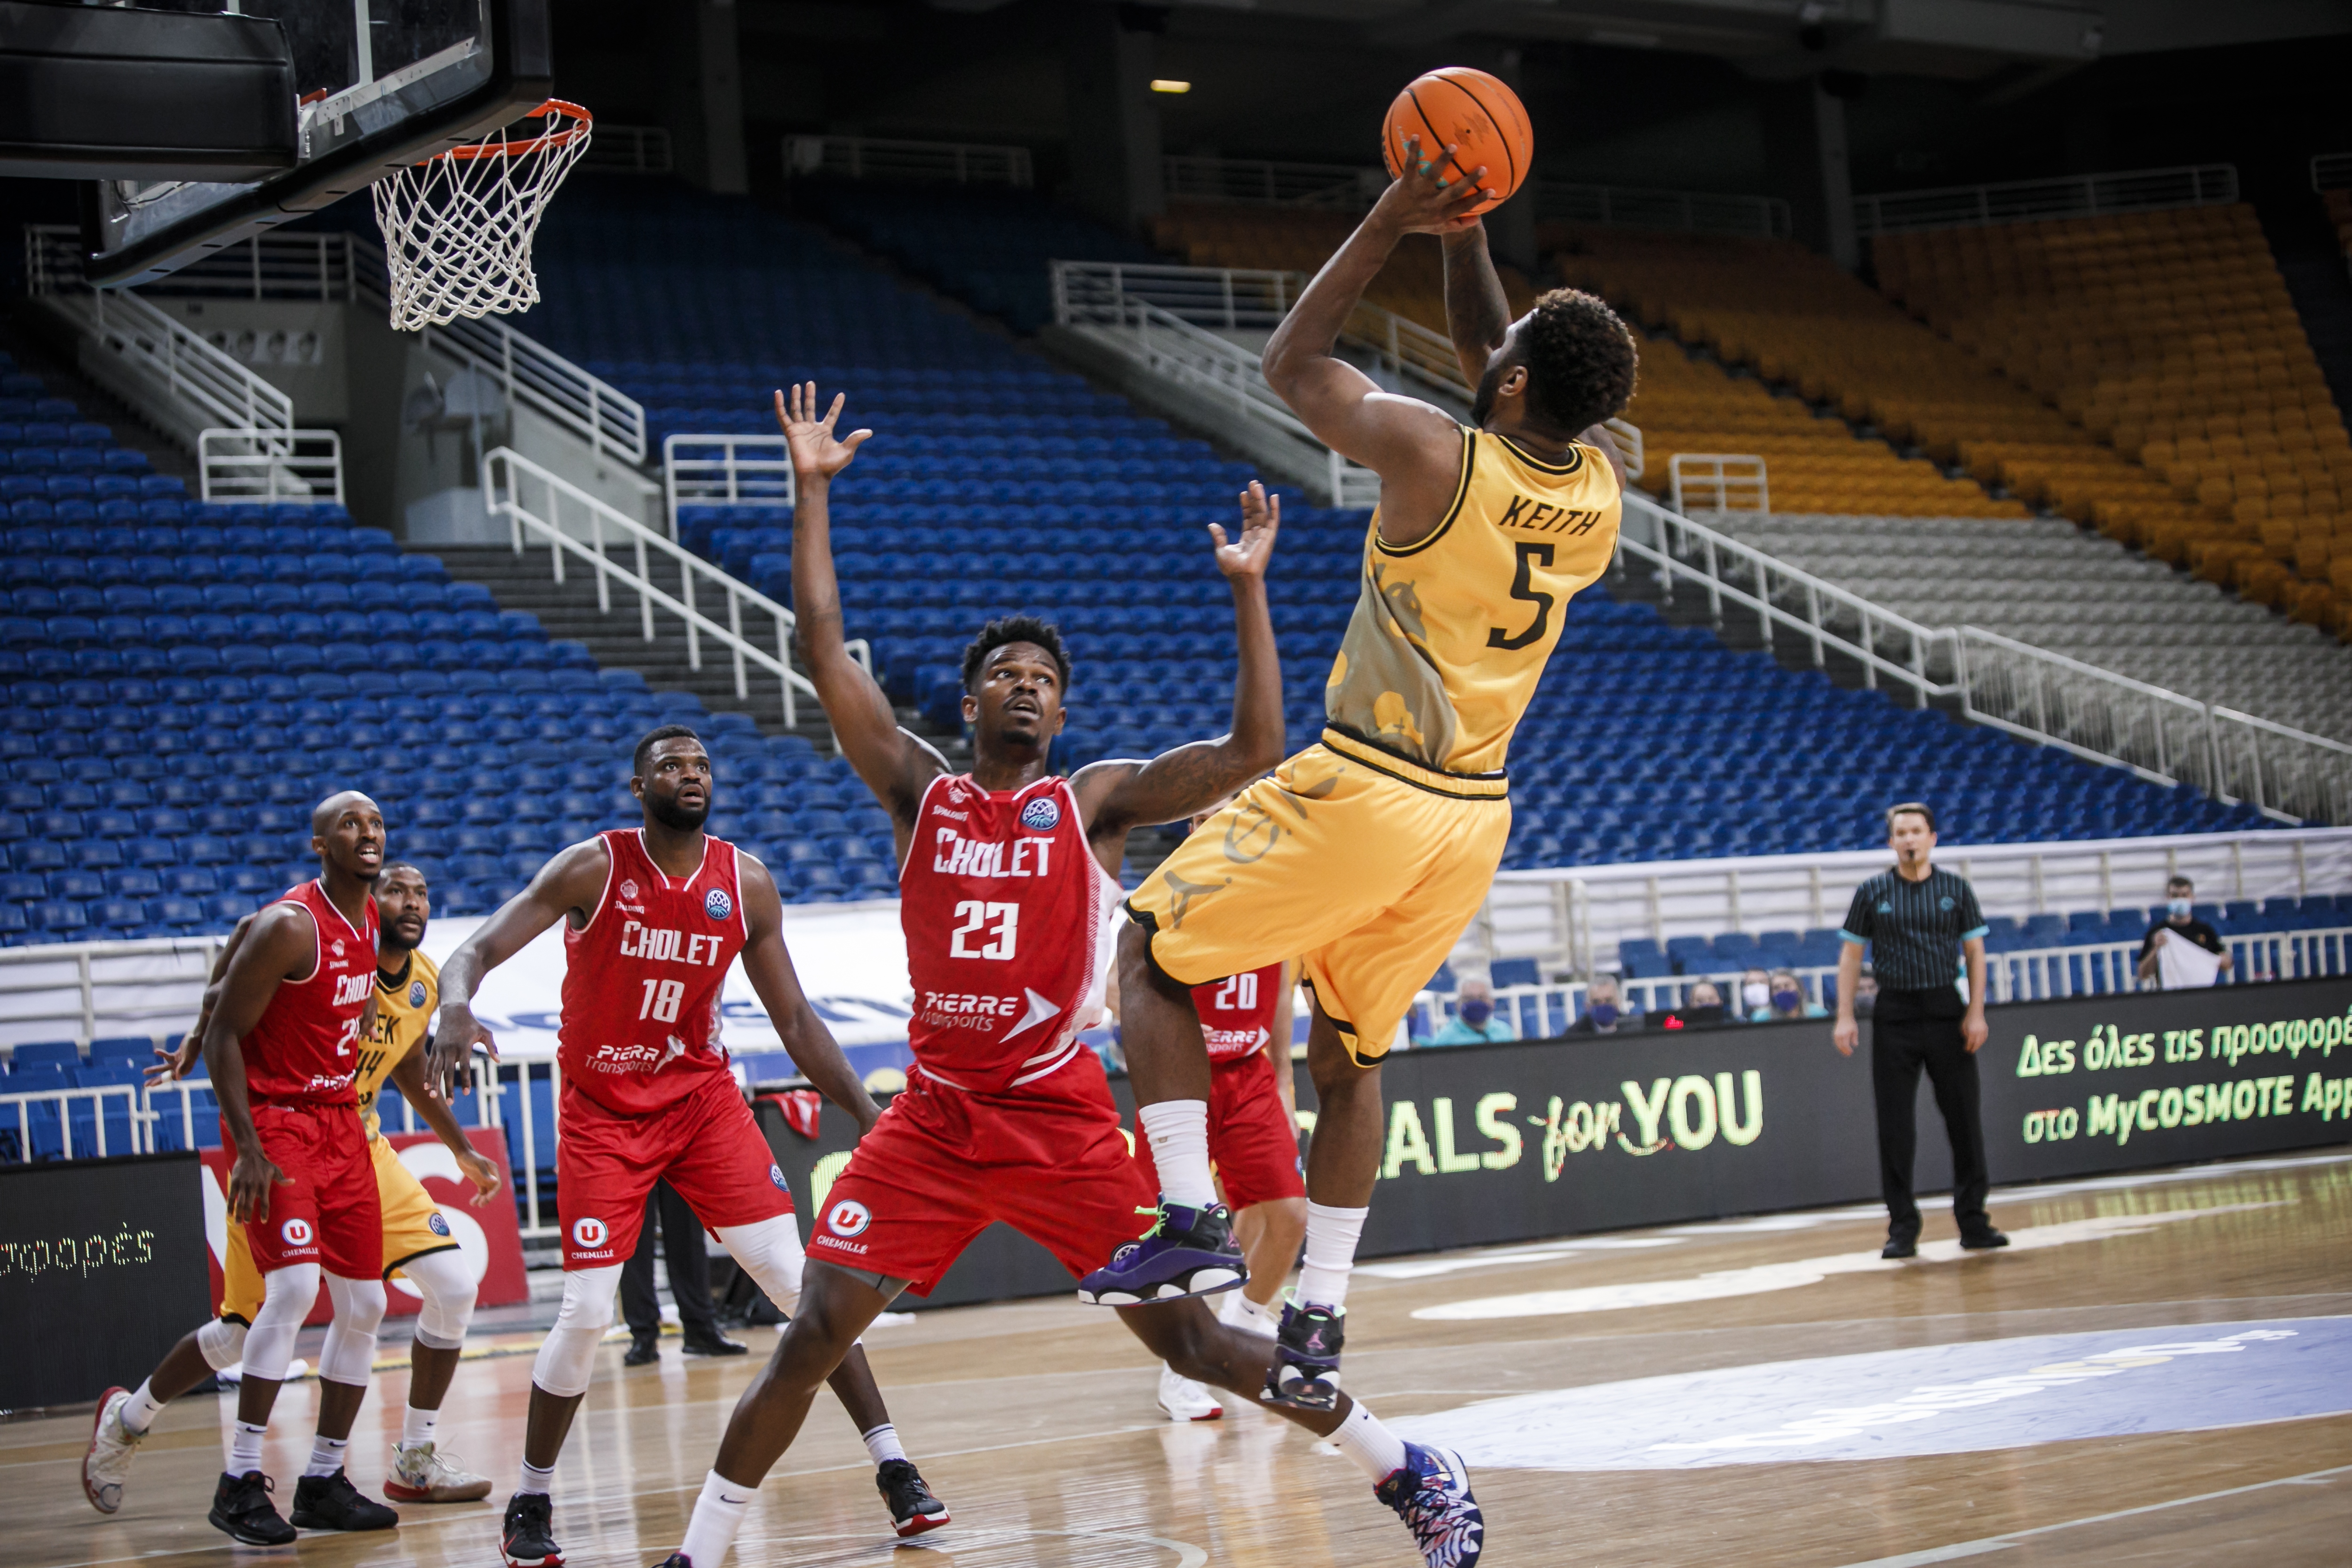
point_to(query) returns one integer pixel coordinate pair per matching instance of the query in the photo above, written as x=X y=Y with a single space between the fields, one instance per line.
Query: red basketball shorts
x=706 y=1145
x=1253 y=1147
x=326 y=1211
x=1050 y=1160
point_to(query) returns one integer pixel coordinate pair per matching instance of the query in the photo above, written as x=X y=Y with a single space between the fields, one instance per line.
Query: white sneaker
x=1181 y=1399
x=1239 y=1312
x=426 y=1474
x=106 y=1468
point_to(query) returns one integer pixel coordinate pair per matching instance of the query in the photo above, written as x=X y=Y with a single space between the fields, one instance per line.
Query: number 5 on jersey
x=662 y=999
x=996 y=924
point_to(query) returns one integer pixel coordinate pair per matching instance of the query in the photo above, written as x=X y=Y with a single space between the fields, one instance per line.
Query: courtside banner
x=101 y=1271
x=488 y=1236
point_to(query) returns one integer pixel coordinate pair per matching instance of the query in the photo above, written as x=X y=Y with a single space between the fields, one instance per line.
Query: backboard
x=379 y=83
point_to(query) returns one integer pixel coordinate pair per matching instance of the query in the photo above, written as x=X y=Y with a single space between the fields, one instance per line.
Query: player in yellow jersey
x=417 y=1243
x=1370 y=851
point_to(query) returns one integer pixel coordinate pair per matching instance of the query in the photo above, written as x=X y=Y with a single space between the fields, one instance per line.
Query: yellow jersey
x=1451 y=632
x=404 y=1007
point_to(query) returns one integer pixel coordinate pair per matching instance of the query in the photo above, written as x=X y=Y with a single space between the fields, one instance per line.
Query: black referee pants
x=1899 y=1048
x=689 y=1268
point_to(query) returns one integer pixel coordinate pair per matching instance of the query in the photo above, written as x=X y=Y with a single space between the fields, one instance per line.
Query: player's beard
x=1482 y=405
x=678 y=818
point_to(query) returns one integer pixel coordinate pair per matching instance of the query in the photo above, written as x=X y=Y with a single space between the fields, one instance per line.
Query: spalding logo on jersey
x=848 y=1218
x=416 y=993
x=296 y=1232
x=1044 y=814
x=588 y=1232
x=437 y=1224
x=717 y=904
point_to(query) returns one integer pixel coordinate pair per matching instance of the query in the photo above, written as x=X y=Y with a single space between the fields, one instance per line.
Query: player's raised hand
x=450 y=1069
x=483 y=1173
x=1434 y=194
x=809 y=435
x=1261 y=520
x=250 y=1177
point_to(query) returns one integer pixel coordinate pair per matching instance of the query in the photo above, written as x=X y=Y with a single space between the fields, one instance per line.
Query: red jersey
x=641 y=980
x=305 y=1049
x=1007 y=915
x=1237 y=1012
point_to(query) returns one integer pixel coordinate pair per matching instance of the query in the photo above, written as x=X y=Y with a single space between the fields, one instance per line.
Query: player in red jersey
x=1008 y=886
x=653 y=918
x=281 y=1038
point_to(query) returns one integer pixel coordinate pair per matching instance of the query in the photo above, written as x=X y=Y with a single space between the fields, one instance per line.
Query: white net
x=457 y=227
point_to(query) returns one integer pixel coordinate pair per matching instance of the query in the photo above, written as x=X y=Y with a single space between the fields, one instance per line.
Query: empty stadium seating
x=2171 y=336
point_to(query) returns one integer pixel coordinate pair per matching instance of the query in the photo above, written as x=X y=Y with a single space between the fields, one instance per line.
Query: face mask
x=1786 y=1000
x=2179 y=908
x=1476 y=1013
x=1603 y=1016
x=1755 y=994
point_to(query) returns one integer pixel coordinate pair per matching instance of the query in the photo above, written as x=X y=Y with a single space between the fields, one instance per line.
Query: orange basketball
x=1467 y=109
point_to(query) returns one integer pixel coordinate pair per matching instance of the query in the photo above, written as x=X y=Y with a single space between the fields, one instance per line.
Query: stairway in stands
x=36 y=353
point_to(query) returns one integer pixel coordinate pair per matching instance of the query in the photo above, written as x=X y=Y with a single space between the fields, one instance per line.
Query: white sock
x=1376 y=1450
x=139 y=1411
x=1331 y=1253
x=1250 y=1318
x=1178 y=1130
x=245 y=1448
x=535 y=1481
x=326 y=1455
x=882 y=1442
x=416 y=1426
x=718 y=1515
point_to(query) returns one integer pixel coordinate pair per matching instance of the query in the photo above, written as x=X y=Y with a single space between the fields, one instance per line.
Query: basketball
x=1461 y=107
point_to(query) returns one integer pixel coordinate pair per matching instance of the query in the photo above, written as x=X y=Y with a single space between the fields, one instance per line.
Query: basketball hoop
x=457 y=226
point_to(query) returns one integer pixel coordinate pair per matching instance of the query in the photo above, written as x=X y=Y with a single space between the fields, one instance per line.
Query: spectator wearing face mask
x=1702 y=1003
x=1605 y=1011
x=2180 y=925
x=1753 y=994
x=1475 y=1022
x=1783 y=998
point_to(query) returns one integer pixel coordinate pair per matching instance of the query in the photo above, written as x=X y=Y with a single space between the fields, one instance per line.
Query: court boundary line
x=2008 y=1539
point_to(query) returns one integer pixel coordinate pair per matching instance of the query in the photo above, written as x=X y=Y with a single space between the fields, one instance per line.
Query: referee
x=1918 y=922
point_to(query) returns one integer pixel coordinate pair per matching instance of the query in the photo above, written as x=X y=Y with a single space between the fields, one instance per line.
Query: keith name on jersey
x=663 y=945
x=962 y=856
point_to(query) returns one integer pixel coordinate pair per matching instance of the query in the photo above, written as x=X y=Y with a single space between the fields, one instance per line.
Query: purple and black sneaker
x=1305 y=1373
x=1431 y=1494
x=1187 y=1252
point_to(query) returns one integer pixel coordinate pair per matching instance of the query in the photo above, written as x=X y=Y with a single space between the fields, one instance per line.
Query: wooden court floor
x=2157 y=1374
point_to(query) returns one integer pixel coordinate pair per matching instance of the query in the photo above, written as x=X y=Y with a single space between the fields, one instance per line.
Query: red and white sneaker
x=106 y=1467
x=426 y=1474
x=1181 y=1399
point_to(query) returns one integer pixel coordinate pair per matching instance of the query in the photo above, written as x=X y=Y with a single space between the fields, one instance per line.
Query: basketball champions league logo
x=1043 y=815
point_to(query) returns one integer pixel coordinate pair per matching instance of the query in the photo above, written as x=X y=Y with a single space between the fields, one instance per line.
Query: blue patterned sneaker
x=1187 y=1252
x=1431 y=1494
x=1304 y=1371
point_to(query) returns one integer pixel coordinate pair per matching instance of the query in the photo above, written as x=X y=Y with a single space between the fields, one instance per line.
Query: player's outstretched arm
x=896 y=767
x=1116 y=796
x=281 y=944
x=1477 y=312
x=1599 y=438
x=1414 y=447
x=768 y=964
x=408 y=1076
x=572 y=883
x=174 y=1064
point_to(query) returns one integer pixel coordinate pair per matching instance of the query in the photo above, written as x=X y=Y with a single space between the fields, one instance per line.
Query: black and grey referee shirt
x=1915 y=929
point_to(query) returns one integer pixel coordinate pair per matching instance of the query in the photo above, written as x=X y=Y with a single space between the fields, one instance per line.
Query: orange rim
x=552 y=107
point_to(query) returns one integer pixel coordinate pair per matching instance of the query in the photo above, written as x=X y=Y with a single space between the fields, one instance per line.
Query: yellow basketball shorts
x=412 y=1226
x=1364 y=866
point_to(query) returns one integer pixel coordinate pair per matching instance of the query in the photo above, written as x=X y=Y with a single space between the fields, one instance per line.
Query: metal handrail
x=23 y=1100
x=1723 y=476
x=2029 y=201
x=270 y=465
x=203 y=386
x=1261 y=182
x=1699 y=212
x=627 y=150
x=885 y=158
x=505 y=474
x=727 y=477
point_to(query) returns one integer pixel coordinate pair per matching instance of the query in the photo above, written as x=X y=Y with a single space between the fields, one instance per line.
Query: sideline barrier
x=1488 y=1144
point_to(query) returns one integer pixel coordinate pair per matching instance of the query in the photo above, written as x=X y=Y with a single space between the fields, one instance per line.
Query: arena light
x=1162 y=84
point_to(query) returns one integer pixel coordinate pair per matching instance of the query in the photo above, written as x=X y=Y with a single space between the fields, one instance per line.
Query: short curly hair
x=1009 y=630
x=1581 y=359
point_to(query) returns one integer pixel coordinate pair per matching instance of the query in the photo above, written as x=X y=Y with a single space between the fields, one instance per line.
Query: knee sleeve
x=769 y=1252
x=286 y=1297
x=447 y=1283
x=568 y=1357
x=222 y=1342
x=349 y=1356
